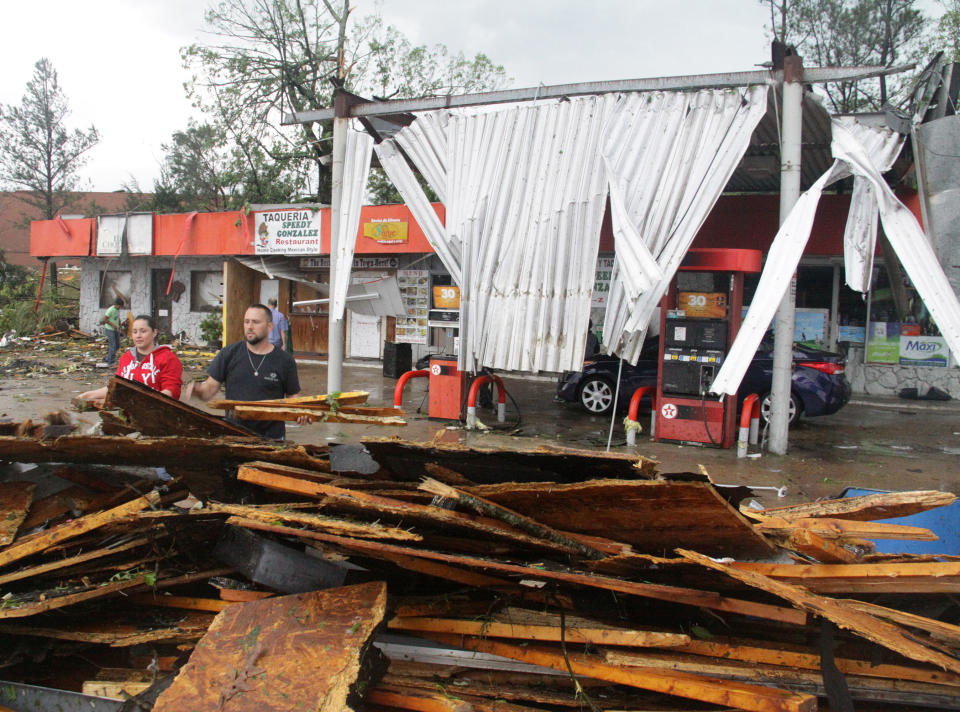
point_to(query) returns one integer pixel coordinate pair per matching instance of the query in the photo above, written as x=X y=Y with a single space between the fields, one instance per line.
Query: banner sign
x=386 y=231
x=287 y=232
x=884 y=342
x=358 y=262
x=601 y=282
x=923 y=351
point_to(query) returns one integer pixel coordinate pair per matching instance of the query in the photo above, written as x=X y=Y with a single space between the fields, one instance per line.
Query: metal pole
x=335 y=338
x=789 y=194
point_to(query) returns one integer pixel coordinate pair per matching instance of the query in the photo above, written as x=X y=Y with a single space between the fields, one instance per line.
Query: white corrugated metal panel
x=526 y=198
x=900 y=226
x=425 y=141
x=860 y=235
x=906 y=237
x=356 y=168
x=399 y=172
x=525 y=192
x=781 y=263
x=668 y=156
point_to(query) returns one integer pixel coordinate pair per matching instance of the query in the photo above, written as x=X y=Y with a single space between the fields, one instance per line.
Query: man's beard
x=254 y=340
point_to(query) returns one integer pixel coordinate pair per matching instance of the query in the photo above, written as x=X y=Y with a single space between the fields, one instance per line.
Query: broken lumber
x=919 y=577
x=152 y=413
x=353 y=500
x=282 y=513
x=15 y=500
x=832 y=528
x=586 y=632
x=408 y=461
x=255 y=654
x=514 y=519
x=642 y=513
x=60 y=564
x=674 y=594
x=885 y=505
x=744 y=696
x=38 y=542
x=250 y=412
x=322 y=400
x=863 y=624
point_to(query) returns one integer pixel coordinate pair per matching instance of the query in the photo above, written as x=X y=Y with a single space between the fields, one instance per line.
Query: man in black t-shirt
x=253 y=370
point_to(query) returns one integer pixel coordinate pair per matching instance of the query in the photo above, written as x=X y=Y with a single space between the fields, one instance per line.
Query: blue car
x=819 y=386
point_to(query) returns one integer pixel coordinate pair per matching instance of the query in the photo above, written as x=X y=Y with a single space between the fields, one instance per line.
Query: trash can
x=397 y=359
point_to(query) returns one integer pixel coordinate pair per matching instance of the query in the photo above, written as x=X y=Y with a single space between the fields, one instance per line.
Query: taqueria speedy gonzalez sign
x=287 y=232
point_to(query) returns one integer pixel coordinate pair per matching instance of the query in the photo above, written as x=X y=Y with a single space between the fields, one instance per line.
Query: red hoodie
x=160 y=369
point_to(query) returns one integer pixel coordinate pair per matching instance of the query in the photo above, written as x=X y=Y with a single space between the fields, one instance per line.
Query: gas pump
x=699 y=319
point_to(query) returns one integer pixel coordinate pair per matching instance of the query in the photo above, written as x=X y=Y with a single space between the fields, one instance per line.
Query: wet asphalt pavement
x=879 y=443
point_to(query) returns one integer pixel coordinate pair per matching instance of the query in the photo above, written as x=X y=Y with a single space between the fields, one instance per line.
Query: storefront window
x=113 y=285
x=206 y=291
x=901 y=330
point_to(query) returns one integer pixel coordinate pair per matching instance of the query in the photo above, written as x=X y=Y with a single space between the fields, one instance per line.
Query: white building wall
x=181 y=316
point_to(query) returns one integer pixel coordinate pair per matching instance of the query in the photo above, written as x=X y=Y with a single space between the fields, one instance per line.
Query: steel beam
x=691 y=82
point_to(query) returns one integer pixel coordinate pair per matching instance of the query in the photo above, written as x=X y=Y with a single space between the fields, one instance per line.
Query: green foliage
x=211 y=328
x=269 y=57
x=38 y=153
x=946 y=33
x=836 y=33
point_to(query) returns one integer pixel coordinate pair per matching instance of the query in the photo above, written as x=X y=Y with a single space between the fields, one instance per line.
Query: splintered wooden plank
x=353 y=500
x=595 y=634
x=60 y=564
x=885 y=505
x=251 y=412
x=166 y=451
x=831 y=528
x=15 y=499
x=322 y=400
x=860 y=688
x=514 y=519
x=756 y=698
x=18 y=609
x=920 y=577
x=69 y=530
x=674 y=594
x=187 y=602
x=316 y=521
x=644 y=514
x=409 y=460
x=809 y=544
x=766 y=653
x=943 y=632
x=863 y=624
x=153 y=413
x=118 y=632
x=290 y=652
x=422 y=700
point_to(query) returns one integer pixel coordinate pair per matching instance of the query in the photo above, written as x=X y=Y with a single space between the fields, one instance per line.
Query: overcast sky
x=119 y=60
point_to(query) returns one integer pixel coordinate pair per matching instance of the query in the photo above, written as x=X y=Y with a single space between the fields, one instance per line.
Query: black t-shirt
x=275 y=377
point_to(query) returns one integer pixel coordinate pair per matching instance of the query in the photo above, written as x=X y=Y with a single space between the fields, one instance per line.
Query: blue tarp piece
x=942 y=521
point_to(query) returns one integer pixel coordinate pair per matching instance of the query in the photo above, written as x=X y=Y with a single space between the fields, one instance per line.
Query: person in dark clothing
x=253 y=370
x=593 y=343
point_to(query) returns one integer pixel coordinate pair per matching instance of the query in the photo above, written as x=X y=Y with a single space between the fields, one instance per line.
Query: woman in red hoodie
x=154 y=365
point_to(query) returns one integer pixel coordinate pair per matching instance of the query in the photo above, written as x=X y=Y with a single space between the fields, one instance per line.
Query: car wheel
x=596 y=395
x=794 y=409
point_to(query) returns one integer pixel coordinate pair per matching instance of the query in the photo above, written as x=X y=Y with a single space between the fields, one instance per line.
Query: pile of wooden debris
x=438 y=578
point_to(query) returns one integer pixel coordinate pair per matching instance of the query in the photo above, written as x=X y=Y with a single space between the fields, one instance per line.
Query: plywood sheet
x=410 y=460
x=653 y=516
x=286 y=653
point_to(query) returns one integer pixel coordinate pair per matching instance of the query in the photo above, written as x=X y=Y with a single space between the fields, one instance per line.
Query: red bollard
x=749 y=423
x=472 y=399
x=632 y=426
x=398 y=390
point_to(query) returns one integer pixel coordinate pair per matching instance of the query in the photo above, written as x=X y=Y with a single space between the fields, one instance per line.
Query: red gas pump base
x=448 y=389
x=681 y=419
